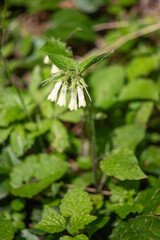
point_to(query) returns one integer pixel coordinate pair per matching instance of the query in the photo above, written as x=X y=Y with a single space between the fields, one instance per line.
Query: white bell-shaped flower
x=73 y=101
x=53 y=95
x=54 y=69
x=46 y=60
x=81 y=98
x=62 y=98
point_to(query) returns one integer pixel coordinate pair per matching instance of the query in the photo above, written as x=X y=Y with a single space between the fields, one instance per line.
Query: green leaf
x=52 y=224
x=55 y=47
x=72 y=116
x=99 y=223
x=67 y=21
x=58 y=136
x=6 y=229
x=93 y=60
x=89 y=6
x=28 y=236
x=150 y=160
x=20 y=141
x=78 y=237
x=77 y=205
x=62 y=61
x=4 y=188
x=142 y=66
x=143 y=227
x=35 y=173
x=143 y=113
x=105 y=84
x=150 y=199
x=140 y=89
x=128 y=136
x=4 y=133
x=122 y=164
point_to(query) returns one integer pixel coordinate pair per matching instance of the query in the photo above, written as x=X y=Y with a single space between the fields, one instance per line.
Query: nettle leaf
x=145 y=227
x=52 y=224
x=77 y=205
x=140 y=89
x=35 y=173
x=62 y=61
x=93 y=60
x=122 y=164
x=55 y=47
x=150 y=160
x=6 y=229
x=128 y=136
x=150 y=199
x=78 y=237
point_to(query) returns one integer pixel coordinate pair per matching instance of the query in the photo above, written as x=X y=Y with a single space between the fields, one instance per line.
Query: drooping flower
x=62 y=98
x=54 y=69
x=81 y=98
x=46 y=60
x=73 y=101
x=53 y=95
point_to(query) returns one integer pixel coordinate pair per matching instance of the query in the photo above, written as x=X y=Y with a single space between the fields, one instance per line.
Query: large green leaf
x=122 y=164
x=145 y=227
x=55 y=47
x=93 y=60
x=142 y=66
x=140 y=89
x=128 y=136
x=67 y=21
x=62 y=61
x=35 y=173
x=105 y=84
x=77 y=205
x=6 y=229
x=52 y=224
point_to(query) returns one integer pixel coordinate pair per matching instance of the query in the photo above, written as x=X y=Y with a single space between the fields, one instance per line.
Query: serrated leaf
x=62 y=61
x=6 y=229
x=77 y=205
x=140 y=89
x=93 y=60
x=35 y=173
x=52 y=224
x=78 y=237
x=55 y=47
x=122 y=164
x=145 y=227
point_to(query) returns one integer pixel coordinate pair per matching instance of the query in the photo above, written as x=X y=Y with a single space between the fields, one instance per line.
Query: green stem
x=92 y=139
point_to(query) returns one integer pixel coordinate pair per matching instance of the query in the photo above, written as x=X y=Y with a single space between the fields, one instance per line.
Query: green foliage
x=93 y=60
x=36 y=173
x=122 y=164
x=46 y=151
x=6 y=228
x=143 y=227
x=52 y=224
x=77 y=205
x=140 y=89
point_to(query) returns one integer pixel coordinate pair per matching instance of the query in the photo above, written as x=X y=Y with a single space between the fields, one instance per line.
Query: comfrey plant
x=67 y=74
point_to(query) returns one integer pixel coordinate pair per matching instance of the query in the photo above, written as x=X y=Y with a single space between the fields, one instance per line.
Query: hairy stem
x=92 y=140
